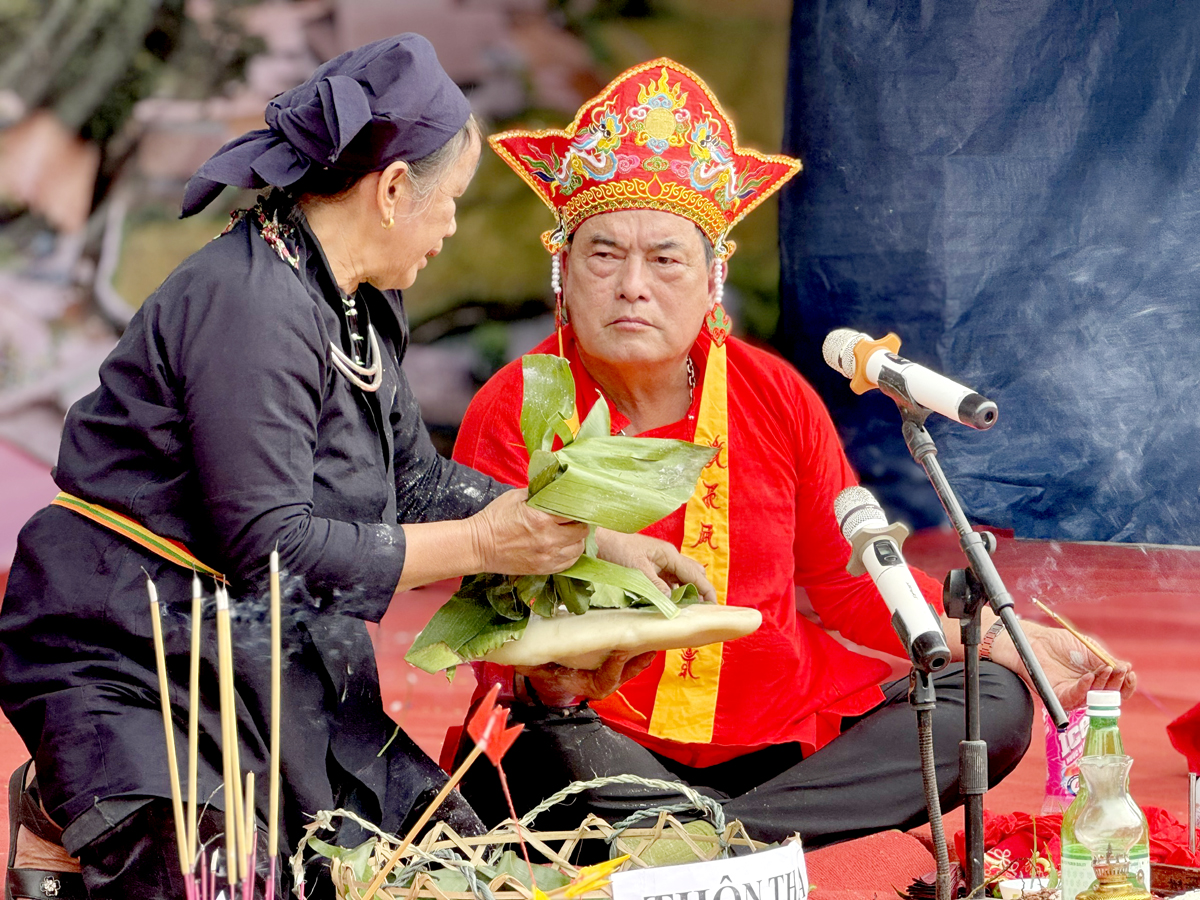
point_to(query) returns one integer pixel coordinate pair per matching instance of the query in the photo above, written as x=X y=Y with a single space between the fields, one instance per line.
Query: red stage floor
x=1144 y=603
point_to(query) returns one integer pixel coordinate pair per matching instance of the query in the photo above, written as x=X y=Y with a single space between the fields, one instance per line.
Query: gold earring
x=388 y=222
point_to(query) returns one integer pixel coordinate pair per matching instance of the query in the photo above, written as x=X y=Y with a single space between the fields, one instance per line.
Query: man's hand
x=1071 y=668
x=662 y=563
x=557 y=685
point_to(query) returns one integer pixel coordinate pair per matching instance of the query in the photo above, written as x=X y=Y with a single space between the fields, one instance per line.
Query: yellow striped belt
x=172 y=551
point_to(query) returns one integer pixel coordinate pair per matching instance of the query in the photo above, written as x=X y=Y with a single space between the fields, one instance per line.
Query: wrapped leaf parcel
x=623 y=484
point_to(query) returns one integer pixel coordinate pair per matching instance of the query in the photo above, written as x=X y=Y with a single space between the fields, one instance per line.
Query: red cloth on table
x=1184 y=733
x=1008 y=841
x=789 y=681
x=1168 y=839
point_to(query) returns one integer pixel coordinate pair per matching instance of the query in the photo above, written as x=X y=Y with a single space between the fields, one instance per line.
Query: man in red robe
x=791 y=729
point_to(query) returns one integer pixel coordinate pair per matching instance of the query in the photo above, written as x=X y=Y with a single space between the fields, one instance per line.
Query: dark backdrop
x=1014 y=188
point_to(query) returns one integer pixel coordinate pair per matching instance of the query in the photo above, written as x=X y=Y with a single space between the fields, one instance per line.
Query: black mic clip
x=897 y=531
x=892 y=384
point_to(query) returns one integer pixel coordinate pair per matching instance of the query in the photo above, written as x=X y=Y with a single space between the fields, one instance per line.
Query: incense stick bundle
x=160 y=658
x=1083 y=638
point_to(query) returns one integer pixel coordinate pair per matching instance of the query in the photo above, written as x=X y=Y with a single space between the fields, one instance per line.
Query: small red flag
x=486 y=727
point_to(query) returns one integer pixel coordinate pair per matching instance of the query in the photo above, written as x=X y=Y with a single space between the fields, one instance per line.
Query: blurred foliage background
x=495 y=269
x=107 y=106
x=739 y=48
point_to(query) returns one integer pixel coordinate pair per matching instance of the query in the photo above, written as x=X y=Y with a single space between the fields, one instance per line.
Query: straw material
x=557 y=847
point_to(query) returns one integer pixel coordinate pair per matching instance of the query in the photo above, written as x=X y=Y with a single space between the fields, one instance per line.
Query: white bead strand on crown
x=723 y=250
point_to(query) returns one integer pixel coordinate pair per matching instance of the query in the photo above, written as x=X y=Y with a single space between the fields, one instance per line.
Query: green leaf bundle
x=623 y=484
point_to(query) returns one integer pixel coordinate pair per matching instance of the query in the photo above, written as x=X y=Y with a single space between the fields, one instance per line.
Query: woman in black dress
x=257 y=401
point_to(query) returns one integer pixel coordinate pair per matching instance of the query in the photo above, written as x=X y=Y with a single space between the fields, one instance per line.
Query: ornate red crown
x=655 y=138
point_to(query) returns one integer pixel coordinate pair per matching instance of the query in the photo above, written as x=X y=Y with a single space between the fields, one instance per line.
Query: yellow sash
x=139 y=534
x=685 y=705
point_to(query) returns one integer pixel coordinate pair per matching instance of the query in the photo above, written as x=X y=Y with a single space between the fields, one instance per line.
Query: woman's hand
x=559 y=686
x=512 y=538
x=1071 y=668
x=662 y=563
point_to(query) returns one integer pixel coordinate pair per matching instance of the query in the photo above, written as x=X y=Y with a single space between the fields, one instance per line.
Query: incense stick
x=423 y=821
x=239 y=803
x=194 y=721
x=228 y=732
x=1080 y=636
x=251 y=839
x=160 y=658
x=273 y=771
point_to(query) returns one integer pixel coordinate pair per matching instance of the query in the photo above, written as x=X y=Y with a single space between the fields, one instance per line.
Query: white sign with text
x=777 y=874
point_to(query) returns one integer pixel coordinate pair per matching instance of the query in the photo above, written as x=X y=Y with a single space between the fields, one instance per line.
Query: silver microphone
x=875 y=549
x=882 y=368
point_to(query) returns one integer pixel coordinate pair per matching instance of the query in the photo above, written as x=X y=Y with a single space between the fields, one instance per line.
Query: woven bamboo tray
x=556 y=847
x=442 y=847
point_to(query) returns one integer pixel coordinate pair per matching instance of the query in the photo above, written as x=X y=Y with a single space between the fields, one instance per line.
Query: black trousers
x=138 y=858
x=866 y=780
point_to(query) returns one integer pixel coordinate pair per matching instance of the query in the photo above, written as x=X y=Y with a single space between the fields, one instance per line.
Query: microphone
x=872 y=363
x=875 y=548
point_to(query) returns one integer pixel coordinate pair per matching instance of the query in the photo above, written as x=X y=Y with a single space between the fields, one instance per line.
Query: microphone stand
x=922 y=700
x=966 y=591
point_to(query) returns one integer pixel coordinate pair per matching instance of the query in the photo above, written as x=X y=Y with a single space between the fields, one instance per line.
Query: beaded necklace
x=277 y=235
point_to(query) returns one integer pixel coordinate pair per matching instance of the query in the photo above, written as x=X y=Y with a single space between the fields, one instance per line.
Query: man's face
x=637 y=287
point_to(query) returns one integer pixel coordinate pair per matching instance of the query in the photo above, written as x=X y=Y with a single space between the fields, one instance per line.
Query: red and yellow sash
x=173 y=551
x=685 y=705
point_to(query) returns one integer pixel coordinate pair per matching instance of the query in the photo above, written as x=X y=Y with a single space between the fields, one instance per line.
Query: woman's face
x=637 y=287
x=422 y=225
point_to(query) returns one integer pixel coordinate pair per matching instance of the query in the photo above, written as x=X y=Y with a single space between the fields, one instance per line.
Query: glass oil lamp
x=1109 y=825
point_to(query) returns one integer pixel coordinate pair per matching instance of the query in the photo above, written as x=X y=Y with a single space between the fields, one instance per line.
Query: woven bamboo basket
x=442 y=848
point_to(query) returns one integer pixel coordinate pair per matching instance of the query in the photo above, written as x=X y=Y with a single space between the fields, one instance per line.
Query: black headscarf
x=360 y=112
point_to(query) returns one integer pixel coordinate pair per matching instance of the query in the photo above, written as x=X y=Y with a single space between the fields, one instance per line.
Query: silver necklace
x=356 y=339
x=366 y=378
x=357 y=372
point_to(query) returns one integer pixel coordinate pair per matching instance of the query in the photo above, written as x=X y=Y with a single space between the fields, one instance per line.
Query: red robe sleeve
x=845 y=603
x=490 y=437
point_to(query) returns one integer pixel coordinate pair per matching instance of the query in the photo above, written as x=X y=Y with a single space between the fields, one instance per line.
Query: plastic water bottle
x=1103 y=739
x=1063 y=751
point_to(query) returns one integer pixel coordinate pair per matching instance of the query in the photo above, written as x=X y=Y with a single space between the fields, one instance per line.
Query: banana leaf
x=576 y=597
x=624 y=484
x=631 y=581
x=511 y=864
x=544 y=467
x=468 y=626
x=465 y=627
x=549 y=399
x=620 y=483
x=452 y=880
x=357 y=858
x=597 y=423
